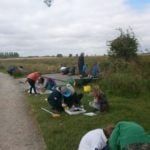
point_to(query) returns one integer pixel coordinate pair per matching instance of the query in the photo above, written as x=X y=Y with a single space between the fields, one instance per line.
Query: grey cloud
x=32 y=28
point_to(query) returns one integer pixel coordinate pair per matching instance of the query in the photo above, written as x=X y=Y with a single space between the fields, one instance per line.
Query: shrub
x=124 y=84
x=125 y=46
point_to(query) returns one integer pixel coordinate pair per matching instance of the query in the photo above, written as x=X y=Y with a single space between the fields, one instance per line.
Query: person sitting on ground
x=100 y=101
x=11 y=70
x=128 y=135
x=64 y=70
x=48 y=83
x=96 y=139
x=31 y=79
x=70 y=96
x=55 y=100
x=96 y=70
x=64 y=96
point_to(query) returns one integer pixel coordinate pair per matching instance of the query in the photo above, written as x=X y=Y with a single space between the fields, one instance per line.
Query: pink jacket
x=33 y=76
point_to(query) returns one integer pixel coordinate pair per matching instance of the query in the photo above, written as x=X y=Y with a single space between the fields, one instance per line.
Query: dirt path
x=18 y=129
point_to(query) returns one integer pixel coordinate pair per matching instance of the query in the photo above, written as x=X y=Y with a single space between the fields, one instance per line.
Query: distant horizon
x=76 y=55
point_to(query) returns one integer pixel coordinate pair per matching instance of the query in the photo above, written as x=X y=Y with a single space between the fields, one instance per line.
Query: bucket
x=87 y=88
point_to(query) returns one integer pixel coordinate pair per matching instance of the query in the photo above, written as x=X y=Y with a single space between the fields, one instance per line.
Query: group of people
x=66 y=95
x=60 y=96
x=36 y=77
x=83 y=68
x=125 y=135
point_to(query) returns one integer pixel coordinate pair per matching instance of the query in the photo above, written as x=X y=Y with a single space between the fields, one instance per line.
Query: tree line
x=9 y=55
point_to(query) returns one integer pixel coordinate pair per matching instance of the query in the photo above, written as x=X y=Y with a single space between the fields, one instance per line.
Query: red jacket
x=33 y=76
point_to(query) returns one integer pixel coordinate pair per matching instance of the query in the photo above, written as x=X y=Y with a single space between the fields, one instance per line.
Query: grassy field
x=65 y=132
x=126 y=84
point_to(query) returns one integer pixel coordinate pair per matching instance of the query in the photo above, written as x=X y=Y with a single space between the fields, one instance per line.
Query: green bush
x=124 y=46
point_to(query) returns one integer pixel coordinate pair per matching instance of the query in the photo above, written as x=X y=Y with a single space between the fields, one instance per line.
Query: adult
x=128 y=133
x=96 y=70
x=55 y=100
x=31 y=79
x=95 y=139
x=81 y=63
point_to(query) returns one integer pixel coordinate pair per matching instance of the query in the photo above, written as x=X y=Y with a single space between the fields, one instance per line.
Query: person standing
x=31 y=79
x=81 y=63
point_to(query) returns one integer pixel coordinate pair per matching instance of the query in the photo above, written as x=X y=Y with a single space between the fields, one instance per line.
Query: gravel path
x=18 y=129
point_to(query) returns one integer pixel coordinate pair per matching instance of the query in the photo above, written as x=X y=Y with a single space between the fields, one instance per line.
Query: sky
x=31 y=28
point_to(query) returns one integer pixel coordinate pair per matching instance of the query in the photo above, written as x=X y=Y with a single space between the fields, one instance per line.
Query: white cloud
x=68 y=26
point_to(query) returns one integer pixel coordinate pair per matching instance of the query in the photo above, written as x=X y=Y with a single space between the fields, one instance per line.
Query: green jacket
x=126 y=133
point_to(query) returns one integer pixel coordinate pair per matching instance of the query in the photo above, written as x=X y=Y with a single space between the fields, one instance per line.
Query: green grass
x=65 y=132
x=126 y=84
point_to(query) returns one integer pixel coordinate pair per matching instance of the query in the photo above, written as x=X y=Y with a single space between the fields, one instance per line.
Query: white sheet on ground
x=90 y=114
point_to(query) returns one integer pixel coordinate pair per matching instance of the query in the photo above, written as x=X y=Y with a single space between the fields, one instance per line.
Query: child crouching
x=100 y=101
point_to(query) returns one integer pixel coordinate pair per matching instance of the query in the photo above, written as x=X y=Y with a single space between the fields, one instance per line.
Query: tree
x=70 y=55
x=59 y=55
x=125 y=46
x=9 y=55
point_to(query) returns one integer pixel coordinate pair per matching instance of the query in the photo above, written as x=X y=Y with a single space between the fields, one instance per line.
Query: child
x=31 y=79
x=100 y=102
x=70 y=96
x=96 y=139
x=48 y=83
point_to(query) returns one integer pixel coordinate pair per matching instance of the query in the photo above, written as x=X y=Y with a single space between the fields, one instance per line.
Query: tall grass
x=118 y=76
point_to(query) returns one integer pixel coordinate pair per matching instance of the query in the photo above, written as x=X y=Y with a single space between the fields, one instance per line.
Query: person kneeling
x=55 y=100
x=100 y=101
x=96 y=139
x=70 y=96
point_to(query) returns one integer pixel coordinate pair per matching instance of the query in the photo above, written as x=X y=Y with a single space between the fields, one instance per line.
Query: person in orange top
x=31 y=79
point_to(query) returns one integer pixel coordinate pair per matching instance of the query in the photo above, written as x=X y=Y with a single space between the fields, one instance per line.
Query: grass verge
x=65 y=132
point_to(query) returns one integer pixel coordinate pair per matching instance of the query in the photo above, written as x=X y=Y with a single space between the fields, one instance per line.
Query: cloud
x=68 y=26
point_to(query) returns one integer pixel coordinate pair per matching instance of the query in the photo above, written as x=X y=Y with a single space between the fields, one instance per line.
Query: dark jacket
x=55 y=100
